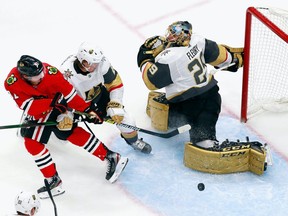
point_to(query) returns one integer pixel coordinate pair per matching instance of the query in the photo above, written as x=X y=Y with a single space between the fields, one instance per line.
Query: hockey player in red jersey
x=42 y=92
x=178 y=63
x=95 y=80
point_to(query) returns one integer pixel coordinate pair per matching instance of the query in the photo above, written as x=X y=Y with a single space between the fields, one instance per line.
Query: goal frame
x=252 y=11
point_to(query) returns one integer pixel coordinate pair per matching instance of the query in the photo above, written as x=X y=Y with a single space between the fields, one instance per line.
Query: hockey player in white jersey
x=94 y=78
x=178 y=63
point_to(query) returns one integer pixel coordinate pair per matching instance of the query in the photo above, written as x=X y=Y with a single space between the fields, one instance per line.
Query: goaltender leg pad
x=151 y=95
x=229 y=160
x=216 y=162
x=159 y=111
x=257 y=162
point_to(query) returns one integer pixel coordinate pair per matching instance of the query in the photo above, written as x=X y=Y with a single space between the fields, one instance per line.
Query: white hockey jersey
x=182 y=71
x=87 y=84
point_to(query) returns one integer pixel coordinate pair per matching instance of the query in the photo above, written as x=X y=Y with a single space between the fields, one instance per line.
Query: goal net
x=265 y=70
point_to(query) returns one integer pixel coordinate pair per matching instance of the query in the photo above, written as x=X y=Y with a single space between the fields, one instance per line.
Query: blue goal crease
x=161 y=182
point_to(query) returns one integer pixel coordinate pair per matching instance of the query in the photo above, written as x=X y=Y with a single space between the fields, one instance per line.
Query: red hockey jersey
x=36 y=100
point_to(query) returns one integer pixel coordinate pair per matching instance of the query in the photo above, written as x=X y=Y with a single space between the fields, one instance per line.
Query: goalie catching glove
x=150 y=49
x=65 y=121
x=115 y=111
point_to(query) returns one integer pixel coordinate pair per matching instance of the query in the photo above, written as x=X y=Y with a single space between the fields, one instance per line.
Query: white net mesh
x=268 y=68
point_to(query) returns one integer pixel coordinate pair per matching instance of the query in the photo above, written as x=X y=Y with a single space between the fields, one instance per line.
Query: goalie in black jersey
x=178 y=64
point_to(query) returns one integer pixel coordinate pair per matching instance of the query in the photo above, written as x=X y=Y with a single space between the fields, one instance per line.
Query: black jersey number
x=196 y=67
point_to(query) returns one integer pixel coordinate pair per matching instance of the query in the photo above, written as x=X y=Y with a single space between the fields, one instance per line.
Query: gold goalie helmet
x=179 y=33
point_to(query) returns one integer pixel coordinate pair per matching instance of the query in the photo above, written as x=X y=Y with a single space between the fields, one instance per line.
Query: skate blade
x=119 y=168
x=55 y=192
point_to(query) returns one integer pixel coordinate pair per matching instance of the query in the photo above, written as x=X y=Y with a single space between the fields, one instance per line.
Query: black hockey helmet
x=29 y=66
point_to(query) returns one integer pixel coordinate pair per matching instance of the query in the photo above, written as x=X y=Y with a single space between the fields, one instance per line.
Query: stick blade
x=184 y=128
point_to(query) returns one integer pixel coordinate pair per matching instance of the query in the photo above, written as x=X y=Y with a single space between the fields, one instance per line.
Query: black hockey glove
x=58 y=103
x=150 y=49
x=94 y=114
x=234 y=67
x=237 y=56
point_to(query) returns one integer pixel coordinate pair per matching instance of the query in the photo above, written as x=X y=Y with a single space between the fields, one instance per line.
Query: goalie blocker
x=230 y=157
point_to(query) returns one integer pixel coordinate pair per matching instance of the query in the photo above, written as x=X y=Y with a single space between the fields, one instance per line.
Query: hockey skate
x=142 y=146
x=56 y=189
x=116 y=165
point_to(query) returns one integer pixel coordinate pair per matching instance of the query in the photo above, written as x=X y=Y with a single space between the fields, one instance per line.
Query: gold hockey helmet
x=179 y=33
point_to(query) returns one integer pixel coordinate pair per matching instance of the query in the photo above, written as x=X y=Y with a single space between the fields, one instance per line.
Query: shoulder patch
x=52 y=70
x=68 y=73
x=165 y=52
x=11 y=79
x=170 y=55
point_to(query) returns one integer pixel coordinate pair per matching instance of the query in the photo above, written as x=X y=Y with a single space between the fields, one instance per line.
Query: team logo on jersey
x=11 y=79
x=68 y=74
x=52 y=70
x=93 y=93
x=165 y=52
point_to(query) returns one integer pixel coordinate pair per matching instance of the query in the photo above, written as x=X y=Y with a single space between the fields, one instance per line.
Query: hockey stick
x=214 y=71
x=172 y=133
x=27 y=125
x=50 y=195
x=34 y=124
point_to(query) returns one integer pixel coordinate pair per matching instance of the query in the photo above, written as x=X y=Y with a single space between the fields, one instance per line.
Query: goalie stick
x=214 y=71
x=172 y=133
x=50 y=195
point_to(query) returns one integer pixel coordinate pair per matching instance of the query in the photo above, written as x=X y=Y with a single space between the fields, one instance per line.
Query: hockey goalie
x=177 y=63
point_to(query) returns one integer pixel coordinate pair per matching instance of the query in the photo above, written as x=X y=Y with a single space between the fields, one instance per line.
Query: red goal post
x=265 y=69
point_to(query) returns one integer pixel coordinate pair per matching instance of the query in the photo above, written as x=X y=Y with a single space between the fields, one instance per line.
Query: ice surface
x=156 y=184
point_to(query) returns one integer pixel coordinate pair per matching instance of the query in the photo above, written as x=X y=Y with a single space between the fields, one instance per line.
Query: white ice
x=156 y=184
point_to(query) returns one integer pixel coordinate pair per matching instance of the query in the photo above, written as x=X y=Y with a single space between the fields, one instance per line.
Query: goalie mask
x=179 y=33
x=27 y=203
x=89 y=54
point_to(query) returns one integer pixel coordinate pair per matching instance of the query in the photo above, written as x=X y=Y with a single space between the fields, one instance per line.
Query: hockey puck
x=201 y=186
